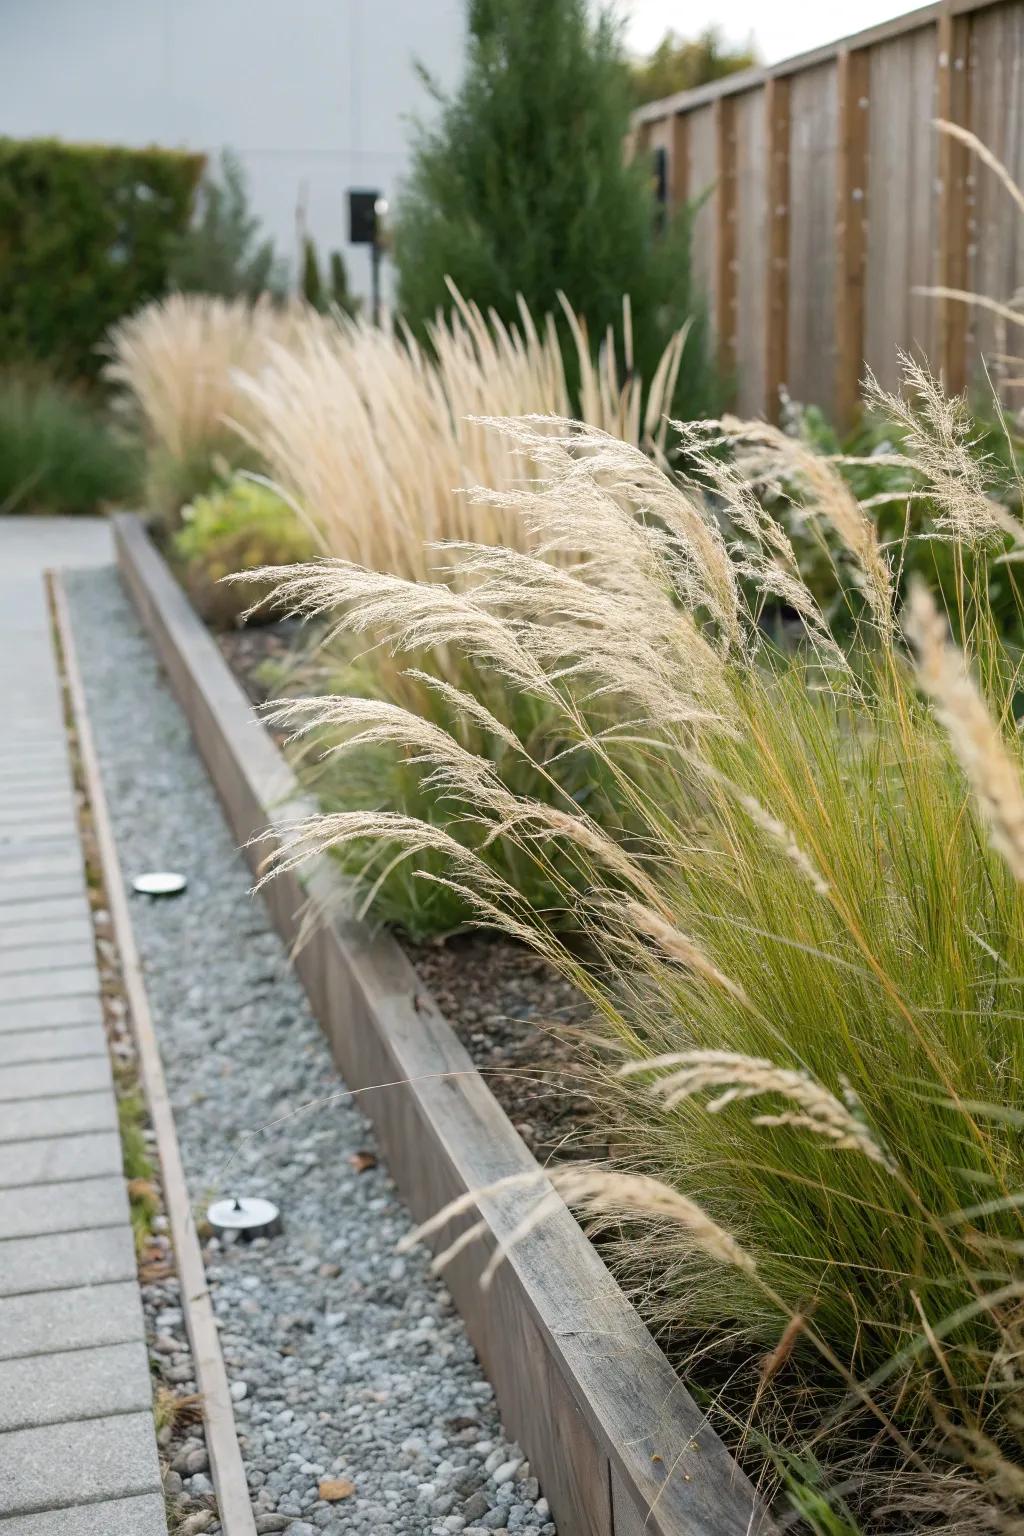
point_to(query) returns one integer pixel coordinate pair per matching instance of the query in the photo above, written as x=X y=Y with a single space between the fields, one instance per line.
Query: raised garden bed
x=619 y=1445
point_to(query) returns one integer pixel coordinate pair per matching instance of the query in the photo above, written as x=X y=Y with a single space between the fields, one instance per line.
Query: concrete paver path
x=78 y=1452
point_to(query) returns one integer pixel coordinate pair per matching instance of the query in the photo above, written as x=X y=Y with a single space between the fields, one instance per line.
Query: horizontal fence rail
x=828 y=199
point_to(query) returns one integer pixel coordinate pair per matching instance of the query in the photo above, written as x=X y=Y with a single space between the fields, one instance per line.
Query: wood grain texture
x=812 y=240
x=752 y=236
x=776 y=272
x=701 y=179
x=680 y=161
x=995 y=257
x=726 y=231
x=852 y=101
x=953 y=45
x=580 y=1382
x=856 y=274
x=901 y=254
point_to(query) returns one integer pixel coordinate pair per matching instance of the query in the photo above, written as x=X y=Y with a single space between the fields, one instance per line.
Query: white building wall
x=315 y=96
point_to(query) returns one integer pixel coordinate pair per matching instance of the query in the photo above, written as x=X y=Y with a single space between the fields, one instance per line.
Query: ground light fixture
x=159 y=882
x=247 y=1216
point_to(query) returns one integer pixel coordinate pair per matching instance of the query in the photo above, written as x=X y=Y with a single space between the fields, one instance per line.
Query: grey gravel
x=354 y=1365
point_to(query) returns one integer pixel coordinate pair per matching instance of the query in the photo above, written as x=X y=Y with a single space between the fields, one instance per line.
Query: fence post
x=953 y=82
x=680 y=161
x=776 y=307
x=725 y=258
x=852 y=78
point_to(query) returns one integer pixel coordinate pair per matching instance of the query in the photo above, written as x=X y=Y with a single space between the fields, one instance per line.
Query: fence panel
x=831 y=199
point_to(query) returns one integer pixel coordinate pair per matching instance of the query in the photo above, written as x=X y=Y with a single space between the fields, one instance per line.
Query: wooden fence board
x=834 y=201
x=702 y=176
x=812 y=245
x=751 y=234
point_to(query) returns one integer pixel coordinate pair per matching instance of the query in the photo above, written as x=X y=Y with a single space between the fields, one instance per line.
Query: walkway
x=77 y=1446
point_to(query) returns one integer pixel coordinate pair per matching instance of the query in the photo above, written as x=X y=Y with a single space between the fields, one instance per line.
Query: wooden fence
x=831 y=197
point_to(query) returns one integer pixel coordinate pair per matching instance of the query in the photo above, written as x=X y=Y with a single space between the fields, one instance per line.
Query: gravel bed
x=361 y=1406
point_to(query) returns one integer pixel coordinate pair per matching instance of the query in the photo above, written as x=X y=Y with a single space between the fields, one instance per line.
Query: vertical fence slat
x=680 y=188
x=726 y=252
x=776 y=308
x=851 y=228
x=953 y=104
x=804 y=283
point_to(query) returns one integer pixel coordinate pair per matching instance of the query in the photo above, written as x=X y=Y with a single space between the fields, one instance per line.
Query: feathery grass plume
x=750 y=1077
x=175 y=364
x=596 y=1190
x=993 y=772
x=764 y=453
x=939 y=443
x=372 y=435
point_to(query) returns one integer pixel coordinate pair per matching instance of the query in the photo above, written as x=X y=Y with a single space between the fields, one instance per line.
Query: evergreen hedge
x=86 y=233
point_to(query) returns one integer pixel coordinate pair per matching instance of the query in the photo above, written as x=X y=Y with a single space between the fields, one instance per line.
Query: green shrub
x=57 y=454
x=224 y=252
x=85 y=237
x=877 y=462
x=235 y=529
x=522 y=189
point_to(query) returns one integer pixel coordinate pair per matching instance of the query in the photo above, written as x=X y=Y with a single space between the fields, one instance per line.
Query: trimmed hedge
x=85 y=237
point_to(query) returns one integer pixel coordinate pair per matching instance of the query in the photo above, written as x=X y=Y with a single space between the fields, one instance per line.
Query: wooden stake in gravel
x=226 y=1467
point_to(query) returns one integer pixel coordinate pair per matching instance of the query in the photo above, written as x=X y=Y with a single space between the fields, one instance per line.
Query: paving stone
x=78 y=1318
x=126 y=1517
x=44 y=1119
x=59 y=1159
x=76 y=981
x=81 y=1384
x=42 y=826
x=48 y=1079
x=76 y=1464
x=28 y=859
x=22 y=890
x=72 y=1206
x=26 y=841
x=51 y=1012
x=75 y=928
x=49 y=803
x=37 y=1045
x=60 y=1261
x=15 y=962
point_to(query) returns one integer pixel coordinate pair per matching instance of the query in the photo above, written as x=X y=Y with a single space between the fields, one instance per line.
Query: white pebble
x=239 y=1389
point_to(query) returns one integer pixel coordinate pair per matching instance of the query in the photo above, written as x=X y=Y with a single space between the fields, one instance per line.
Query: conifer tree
x=522 y=187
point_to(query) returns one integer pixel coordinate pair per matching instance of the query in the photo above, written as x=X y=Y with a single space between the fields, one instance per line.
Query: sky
x=779 y=28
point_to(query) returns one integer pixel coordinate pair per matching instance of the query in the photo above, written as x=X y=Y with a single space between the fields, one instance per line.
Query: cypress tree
x=522 y=187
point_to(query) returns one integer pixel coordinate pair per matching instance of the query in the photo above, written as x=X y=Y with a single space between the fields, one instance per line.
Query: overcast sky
x=779 y=28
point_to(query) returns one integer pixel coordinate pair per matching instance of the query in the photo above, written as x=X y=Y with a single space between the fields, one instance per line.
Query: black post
x=375 y=280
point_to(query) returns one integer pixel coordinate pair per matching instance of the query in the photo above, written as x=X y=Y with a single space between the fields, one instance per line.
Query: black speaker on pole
x=362 y=218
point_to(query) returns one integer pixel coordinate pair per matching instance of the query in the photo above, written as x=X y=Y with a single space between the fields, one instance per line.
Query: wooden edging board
x=617 y=1442
x=226 y=1467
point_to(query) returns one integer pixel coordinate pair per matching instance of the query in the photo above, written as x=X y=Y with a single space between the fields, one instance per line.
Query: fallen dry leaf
x=334 y=1488
x=362 y=1161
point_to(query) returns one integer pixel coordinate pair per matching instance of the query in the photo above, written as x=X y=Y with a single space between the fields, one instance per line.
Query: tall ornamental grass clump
x=174 y=365
x=797 y=913
x=370 y=433
x=367 y=433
